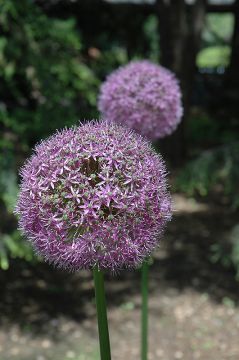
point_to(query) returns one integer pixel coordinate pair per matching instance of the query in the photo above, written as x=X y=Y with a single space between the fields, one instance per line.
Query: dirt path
x=194 y=313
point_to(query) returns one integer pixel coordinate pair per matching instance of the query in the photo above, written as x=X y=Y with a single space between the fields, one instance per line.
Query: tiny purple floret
x=142 y=96
x=94 y=195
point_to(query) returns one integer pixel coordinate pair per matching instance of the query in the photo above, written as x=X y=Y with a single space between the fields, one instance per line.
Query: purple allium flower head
x=143 y=96
x=94 y=195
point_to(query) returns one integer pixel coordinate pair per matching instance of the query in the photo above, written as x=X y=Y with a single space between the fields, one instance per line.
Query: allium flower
x=94 y=195
x=142 y=96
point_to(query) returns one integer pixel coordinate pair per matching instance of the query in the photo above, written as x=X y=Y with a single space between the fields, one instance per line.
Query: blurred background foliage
x=216 y=41
x=215 y=169
x=53 y=57
x=45 y=84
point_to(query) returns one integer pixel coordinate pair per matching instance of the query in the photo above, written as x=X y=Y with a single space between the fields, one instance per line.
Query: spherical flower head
x=142 y=96
x=94 y=195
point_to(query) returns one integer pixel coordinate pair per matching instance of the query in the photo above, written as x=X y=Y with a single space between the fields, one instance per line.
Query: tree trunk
x=180 y=28
x=232 y=72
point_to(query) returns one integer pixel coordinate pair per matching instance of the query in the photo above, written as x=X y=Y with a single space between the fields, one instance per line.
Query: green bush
x=213 y=168
x=45 y=84
x=227 y=253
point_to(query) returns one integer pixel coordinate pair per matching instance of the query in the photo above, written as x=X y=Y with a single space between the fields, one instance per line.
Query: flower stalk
x=102 y=314
x=144 y=310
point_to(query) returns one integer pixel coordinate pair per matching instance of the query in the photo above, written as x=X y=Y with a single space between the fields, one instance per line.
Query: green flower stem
x=102 y=315
x=144 y=313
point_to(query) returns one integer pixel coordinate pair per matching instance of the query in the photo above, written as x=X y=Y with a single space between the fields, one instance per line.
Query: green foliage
x=216 y=41
x=234 y=239
x=8 y=189
x=216 y=167
x=152 y=37
x=202 y=128
x=103 y=65
x=218 y=29
x=14 y=246
x=214 y=56
x=228 y=253
x=45 y=84
x=205 y=130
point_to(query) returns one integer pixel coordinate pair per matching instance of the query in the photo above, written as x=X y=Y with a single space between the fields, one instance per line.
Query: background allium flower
x=94 y=195
x=143 y=96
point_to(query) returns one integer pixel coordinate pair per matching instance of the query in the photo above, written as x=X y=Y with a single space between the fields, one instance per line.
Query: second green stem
x=144 y=314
